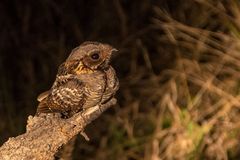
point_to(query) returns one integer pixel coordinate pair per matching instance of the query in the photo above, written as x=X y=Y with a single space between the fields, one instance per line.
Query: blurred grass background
x=178 y=64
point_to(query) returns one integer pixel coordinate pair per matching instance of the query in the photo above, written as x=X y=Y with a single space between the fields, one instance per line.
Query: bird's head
x=91 y=56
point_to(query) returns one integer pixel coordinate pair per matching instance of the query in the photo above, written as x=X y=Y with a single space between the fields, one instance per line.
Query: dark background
x=37 y=36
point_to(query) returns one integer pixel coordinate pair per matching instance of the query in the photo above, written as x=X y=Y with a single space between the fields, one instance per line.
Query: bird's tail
x=43 y=107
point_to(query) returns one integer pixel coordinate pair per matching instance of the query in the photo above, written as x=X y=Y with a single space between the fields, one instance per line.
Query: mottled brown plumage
x=84 y=80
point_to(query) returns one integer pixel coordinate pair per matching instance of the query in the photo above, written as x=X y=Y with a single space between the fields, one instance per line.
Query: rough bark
x=46 y=133
x=66 y=151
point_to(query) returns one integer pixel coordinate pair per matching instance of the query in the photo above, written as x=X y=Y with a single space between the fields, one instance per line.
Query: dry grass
x=190 y=110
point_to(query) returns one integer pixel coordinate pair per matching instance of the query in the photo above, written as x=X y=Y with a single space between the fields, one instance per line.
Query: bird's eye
x=95 y=56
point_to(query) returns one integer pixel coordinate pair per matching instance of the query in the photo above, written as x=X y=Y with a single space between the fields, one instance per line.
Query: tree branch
x=46 y=133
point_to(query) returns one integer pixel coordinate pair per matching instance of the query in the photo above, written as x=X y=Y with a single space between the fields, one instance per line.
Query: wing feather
x=43 y=95
x=66 y=98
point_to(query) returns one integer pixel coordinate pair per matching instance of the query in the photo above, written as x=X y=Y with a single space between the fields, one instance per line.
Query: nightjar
x=84 y=80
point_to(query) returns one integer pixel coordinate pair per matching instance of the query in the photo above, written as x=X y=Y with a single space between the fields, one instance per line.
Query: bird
x=84 y=80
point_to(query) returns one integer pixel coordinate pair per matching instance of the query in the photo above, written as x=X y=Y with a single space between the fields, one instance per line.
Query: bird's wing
x=43 y=95
x=65 y=98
